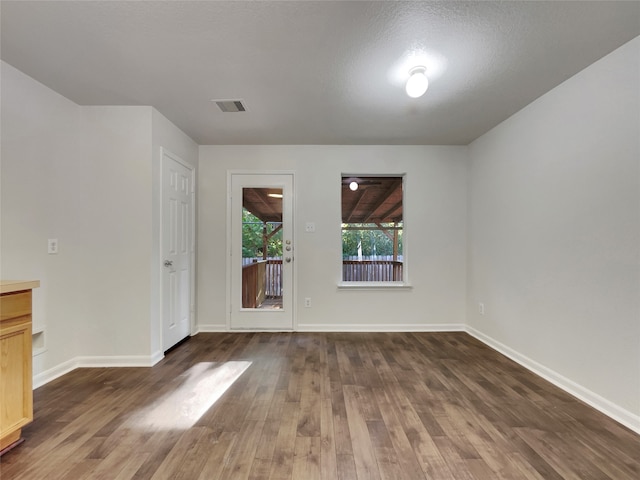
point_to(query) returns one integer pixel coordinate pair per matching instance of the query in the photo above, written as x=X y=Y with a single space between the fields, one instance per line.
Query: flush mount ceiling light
x=418 y=82
x=353 y=186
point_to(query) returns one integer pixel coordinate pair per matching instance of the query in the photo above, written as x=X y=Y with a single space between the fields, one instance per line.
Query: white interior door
x=177 y=249
x=261 y=252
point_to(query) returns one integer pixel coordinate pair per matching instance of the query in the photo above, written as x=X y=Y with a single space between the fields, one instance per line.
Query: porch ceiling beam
x=383 y=198
x=390 y=211
x=264 y=199
x=385 y=231
x=355 y=206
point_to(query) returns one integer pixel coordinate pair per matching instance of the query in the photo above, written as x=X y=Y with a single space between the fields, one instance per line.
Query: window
x=372 y=225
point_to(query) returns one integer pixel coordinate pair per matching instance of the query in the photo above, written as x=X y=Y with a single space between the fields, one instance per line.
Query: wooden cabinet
x=16 y=392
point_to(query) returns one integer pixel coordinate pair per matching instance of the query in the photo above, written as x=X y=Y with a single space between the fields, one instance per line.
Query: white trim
x=379 y=328
x=115 y=361
x=211 y=328
x=261 y=330
x=169 y=153
x=53 y=373
x=374 y=286
x=229 y=245
x=192 y=252
x=325 y=327
x=38 y=335
x=405 y=283
x=96 y=362
x=617 y=413
x=155 y=358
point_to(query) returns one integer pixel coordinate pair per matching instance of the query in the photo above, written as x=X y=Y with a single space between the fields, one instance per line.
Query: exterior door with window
x=261 y=252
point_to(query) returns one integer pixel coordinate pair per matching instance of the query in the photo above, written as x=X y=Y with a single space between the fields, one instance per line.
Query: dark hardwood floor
x=313 y=405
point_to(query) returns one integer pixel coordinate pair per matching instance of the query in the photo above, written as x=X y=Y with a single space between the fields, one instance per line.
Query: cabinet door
x=16 y=397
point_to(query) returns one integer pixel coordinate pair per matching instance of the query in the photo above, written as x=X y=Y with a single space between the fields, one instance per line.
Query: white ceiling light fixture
x=353 y=186
x=418 y=82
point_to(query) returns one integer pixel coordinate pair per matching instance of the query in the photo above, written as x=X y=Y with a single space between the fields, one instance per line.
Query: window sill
x=374 y=286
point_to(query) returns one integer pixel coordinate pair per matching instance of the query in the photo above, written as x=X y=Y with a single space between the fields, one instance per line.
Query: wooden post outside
x=395 y=242
x=265 y=241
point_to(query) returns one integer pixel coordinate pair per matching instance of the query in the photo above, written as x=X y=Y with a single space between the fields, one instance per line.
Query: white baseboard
x=95 y=362
x=322 y=327
x=213 y=328
x=49 y=375
x=155 y=358
x=115 y=361
x=619 y=414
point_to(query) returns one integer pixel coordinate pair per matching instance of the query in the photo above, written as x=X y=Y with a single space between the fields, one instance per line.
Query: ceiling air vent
x=230 y=106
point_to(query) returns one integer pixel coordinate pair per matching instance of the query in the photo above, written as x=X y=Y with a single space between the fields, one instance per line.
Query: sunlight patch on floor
x=203 y=384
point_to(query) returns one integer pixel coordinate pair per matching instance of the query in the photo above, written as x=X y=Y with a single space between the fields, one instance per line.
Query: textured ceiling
x=314 y=72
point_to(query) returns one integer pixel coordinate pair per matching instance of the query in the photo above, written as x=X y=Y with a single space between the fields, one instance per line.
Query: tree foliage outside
x=252 y=237
x=372 y=242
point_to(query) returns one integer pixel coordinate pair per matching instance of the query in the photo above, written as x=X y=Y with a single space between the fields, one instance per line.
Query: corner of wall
x=554 y=233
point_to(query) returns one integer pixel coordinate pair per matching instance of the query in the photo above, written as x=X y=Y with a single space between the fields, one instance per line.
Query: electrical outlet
x=52 y=246
x=481 y=308
x=307 y=302
x=310 y=227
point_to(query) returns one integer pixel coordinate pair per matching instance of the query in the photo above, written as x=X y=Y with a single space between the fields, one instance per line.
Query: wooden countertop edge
x=10 y=286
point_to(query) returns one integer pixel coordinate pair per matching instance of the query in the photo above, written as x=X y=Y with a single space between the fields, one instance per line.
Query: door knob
x=287 y=259
x=168 y=263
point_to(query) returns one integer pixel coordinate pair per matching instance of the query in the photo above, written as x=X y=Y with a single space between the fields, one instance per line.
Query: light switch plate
x=52 y=246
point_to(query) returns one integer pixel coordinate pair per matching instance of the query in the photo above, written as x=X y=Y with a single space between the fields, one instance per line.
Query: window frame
x=377 y=285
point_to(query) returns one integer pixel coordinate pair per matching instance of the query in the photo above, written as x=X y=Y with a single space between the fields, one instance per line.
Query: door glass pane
x=262 y=248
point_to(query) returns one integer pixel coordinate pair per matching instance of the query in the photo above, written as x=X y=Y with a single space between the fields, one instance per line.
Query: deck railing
x=253 y=283
x=260 y=279
x=263 y=278
x=274 y=278
x=371 y=271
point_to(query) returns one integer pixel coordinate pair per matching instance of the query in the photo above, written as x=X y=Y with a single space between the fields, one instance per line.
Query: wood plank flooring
x=306 y=406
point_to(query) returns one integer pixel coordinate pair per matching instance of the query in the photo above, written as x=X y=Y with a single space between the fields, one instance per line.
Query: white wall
x=164 y=135
x=35 y=203
x=110 y=207
x=554 y=234
x=435 y=218
x=87 y=176
x=76 y=174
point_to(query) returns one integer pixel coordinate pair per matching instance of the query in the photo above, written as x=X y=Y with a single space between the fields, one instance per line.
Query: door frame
x=192 y=248
x=229 y=246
